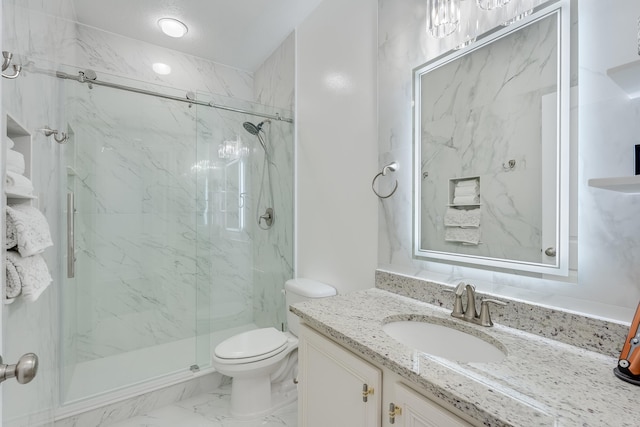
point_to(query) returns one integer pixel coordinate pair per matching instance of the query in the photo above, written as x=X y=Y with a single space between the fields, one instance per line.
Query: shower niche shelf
x=623 y=184
x=23 y=145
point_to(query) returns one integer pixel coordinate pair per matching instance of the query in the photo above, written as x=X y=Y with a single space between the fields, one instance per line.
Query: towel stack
x=466 y=192
x=462 y=225
x=27 y=236
x=16 y=183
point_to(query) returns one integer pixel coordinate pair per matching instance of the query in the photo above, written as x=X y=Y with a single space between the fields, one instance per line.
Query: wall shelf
x=627 y=76
x=624 y=184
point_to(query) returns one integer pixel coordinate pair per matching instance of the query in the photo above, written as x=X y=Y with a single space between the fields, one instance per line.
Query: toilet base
x=256 y=397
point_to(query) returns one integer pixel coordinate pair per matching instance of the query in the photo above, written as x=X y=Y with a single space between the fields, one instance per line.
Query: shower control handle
x=23 y=371
x=267 y=217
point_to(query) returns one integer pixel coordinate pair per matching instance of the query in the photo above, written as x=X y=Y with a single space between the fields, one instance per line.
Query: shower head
x=254 y=129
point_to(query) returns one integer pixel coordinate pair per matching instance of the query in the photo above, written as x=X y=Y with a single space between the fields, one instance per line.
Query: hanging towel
x=28 y=276
x=9 y=142
x=15 y=162
x=462 y=217
x=470 y=236
x=18 y=184
x=467 y=183
x=28 y=228
x=466 y=200
x=466 y=191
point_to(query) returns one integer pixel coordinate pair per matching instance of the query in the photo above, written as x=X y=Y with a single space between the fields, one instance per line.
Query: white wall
x=337 y=138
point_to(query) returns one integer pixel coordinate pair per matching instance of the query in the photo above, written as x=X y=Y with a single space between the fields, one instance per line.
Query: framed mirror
x=491 y=148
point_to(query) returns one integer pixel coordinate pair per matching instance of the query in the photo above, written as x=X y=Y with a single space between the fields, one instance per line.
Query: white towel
x=466 y=200
x=466 y=191
x=470 y=236
x=28 y=228
x=467 y=183
x=9 y=142
x=462 y=217
x=18 y=184
x=15 y=162
x=27 y=276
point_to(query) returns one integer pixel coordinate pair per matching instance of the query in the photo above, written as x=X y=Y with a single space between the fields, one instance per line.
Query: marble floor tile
x=209 y=410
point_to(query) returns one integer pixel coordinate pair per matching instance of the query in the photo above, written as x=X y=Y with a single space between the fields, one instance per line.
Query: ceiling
x=238 y=33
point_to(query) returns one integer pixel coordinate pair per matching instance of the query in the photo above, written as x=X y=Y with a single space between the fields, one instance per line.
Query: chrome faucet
x=469 y=313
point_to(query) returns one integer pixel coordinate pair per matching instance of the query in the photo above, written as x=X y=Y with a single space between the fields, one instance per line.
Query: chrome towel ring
x=390 y=167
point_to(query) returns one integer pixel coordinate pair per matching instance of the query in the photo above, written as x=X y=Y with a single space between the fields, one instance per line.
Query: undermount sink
x=443 y=341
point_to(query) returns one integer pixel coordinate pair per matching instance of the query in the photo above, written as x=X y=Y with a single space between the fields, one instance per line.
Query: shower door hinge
x=194 y=368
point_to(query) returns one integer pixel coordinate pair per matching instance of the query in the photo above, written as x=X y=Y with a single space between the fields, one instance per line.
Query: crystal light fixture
x=517 y=10
x=491 y=4
x=443 y=17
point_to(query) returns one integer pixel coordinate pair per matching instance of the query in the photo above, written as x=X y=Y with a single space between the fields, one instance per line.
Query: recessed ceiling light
x=172 y=27
x=161 y=68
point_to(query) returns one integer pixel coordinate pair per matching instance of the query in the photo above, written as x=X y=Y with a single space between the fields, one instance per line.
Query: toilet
x=262 y=363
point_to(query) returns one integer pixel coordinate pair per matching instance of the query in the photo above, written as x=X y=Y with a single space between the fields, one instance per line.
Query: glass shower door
x=129 y=313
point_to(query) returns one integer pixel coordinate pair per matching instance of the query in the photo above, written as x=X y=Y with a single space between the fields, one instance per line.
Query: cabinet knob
x=393 y=411
x=366 y=391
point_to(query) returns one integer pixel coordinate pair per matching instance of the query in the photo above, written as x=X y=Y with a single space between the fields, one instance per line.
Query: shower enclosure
x=166 y=256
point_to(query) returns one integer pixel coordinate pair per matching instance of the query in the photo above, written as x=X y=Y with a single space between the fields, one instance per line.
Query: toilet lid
x=259 y=342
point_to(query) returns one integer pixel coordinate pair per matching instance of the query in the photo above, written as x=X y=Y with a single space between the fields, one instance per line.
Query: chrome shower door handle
x=71 y=244
x=23 y=371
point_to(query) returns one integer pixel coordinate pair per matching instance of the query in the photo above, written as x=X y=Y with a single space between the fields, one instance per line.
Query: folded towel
x=26 y=276
x=15 y=162
x=28 y=228
x=462 y=217
x=9 y=142
x=467 y=183
x=469 y=236
x=466 y=191
x=466 y=200
x=18 y=184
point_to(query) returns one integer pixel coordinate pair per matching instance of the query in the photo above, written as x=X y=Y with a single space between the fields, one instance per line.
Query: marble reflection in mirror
x=488 y=151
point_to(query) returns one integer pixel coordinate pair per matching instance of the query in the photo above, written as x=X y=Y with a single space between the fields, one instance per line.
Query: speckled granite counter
x=541 y=382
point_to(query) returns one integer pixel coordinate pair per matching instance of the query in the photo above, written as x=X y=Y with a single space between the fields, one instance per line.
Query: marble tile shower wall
x=37 y=30
x=608 y=246
x=273 y=249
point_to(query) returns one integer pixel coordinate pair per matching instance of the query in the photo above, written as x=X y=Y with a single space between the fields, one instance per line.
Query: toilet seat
x=251 y=346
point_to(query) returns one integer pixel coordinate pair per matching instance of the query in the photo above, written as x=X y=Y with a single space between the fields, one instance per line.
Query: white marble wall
x=273 y=249
x=608 y=236
x=36 y=30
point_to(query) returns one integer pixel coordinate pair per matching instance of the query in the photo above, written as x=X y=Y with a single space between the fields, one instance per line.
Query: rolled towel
x=466 y=200
x=462 y=217
x=18 y=184
x=15 y=162
x=29 y=229
x=469 y=236
x=9 y=142
x=26 y=276
x=466 y=191
x=467 y=183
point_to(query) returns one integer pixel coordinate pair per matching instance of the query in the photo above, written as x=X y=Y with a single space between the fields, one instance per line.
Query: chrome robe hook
x=48 y=132
x=6 y=62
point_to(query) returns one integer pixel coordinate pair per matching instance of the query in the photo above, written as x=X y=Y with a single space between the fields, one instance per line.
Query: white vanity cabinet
x=335 y=387
x=339 y=389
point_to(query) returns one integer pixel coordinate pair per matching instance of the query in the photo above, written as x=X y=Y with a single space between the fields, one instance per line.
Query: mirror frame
x=561 y=265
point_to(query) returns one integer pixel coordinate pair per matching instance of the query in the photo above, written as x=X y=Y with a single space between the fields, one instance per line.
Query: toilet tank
x=297 y=290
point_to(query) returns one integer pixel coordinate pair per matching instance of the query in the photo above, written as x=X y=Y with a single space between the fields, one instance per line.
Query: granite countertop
x=541 y=382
